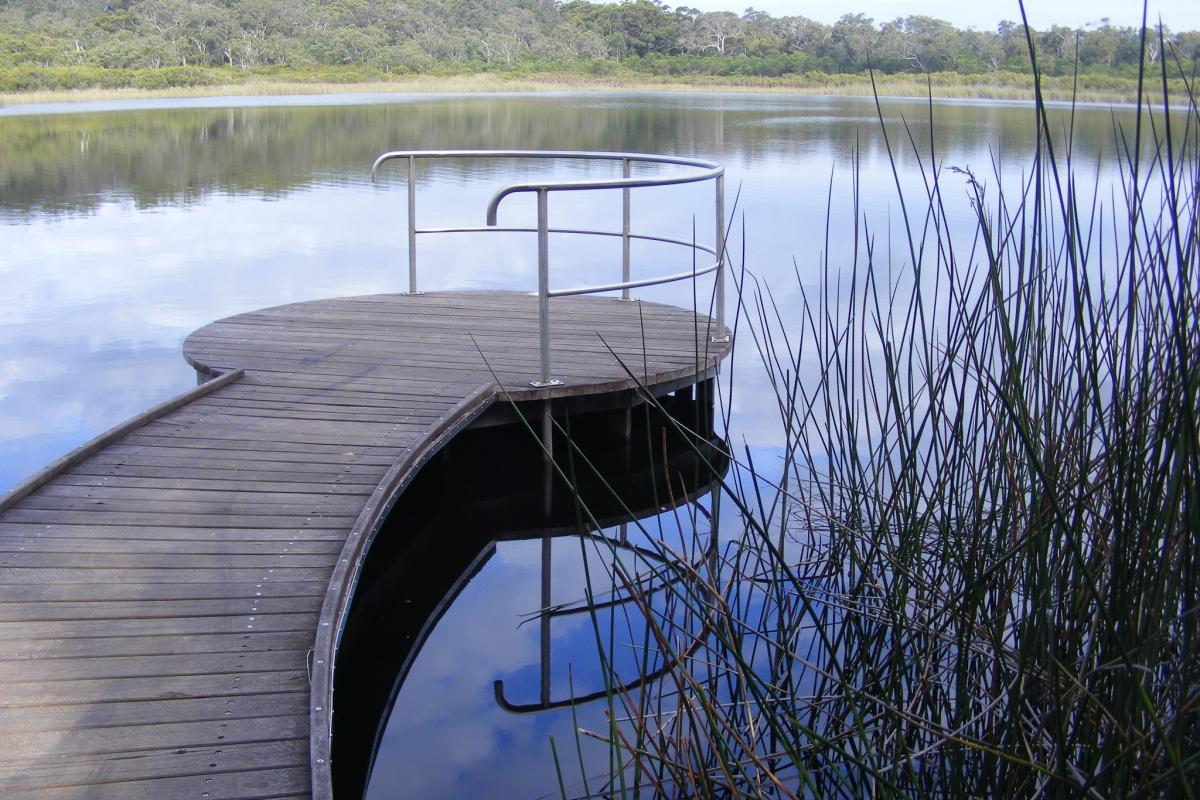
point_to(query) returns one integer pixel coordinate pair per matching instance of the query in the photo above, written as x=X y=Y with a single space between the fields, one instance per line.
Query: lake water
x=123 y=230
x=125 y=226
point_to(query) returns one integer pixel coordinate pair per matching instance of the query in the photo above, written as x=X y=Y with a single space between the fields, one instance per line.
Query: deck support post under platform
x=547 y=432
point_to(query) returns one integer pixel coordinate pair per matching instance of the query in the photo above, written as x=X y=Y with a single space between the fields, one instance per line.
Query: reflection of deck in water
x=446 y=529
x=168 y=592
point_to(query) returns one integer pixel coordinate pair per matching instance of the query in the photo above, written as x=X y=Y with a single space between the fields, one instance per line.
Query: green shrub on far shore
x=31 y=79
x=676 y=72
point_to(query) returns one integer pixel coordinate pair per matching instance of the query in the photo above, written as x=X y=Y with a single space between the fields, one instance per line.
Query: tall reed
x=978 y=572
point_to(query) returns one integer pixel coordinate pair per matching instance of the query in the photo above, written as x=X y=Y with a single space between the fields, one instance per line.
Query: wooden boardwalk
x=170 y=596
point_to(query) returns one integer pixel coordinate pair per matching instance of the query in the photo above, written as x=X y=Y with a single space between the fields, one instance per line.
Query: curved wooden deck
x=170 y=594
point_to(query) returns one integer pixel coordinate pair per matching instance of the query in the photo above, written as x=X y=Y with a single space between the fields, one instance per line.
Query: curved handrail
x=585 y=155
x=705 y=171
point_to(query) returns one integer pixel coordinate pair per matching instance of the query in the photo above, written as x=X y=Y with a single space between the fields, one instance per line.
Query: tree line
x=415 y=35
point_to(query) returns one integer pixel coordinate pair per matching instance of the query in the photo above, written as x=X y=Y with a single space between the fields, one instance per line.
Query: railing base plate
x=546 y=384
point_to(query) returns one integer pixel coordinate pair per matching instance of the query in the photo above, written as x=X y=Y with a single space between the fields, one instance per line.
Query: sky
x=1177 y=14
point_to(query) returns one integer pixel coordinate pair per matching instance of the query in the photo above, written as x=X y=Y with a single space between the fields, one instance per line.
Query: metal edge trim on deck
x=344 y=579
x=49 y=472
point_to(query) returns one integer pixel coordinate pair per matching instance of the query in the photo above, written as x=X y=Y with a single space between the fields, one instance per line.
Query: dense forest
x=180 y=38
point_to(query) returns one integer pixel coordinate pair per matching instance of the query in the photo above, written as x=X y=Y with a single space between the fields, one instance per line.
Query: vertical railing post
x=412 y=224
x=625 y=172
x=543 y=203
x=720 y=248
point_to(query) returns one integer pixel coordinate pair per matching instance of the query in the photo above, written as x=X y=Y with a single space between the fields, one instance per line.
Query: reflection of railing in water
x=445 y=528
x=548 y=613
x=709 y=171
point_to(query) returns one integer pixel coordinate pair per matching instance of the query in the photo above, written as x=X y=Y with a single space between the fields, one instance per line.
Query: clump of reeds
x=978 y=573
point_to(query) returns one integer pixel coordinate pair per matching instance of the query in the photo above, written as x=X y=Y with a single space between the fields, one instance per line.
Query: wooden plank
x=50 y=610
x=379 y=387
x=29 y=559
x=256 y=784
x=591 y=348
x=251 y=410
x=150 y=712
x=108 y=690
x=350 y=476
x=103 y=772
x=256 y=396
x=195 y=453
x=355 y=331
x=314 y=345
x=177 y=590
x=63 y=483
x=115 y=501
x=217 y=520
x=484 y=311
x=294 y=439
x=69 y=670
x=148 y=575
x=311 y=351
x=312 y=348
x=386 y=441
x=166 y=626
x=131 y=738
x=165 y=531
x=127 y=546
x=217 y=423
x=230 y=443
x=440 y=378
x=243 y=641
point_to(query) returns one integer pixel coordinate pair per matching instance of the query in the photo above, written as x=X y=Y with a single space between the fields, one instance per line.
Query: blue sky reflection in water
x=446 y=715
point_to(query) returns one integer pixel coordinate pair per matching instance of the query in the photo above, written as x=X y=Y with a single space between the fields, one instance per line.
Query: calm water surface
x=125 y=227
x=123 y=230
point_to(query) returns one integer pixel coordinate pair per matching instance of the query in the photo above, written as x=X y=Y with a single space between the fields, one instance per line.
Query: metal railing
x=705 y=171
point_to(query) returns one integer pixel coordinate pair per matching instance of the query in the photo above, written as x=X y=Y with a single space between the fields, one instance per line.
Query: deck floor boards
x=159 y=598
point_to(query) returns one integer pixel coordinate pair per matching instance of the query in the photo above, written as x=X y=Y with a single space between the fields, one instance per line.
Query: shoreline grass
x=949 y=86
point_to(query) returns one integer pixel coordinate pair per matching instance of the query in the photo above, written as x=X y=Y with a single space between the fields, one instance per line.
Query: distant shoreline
x=943 y=86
